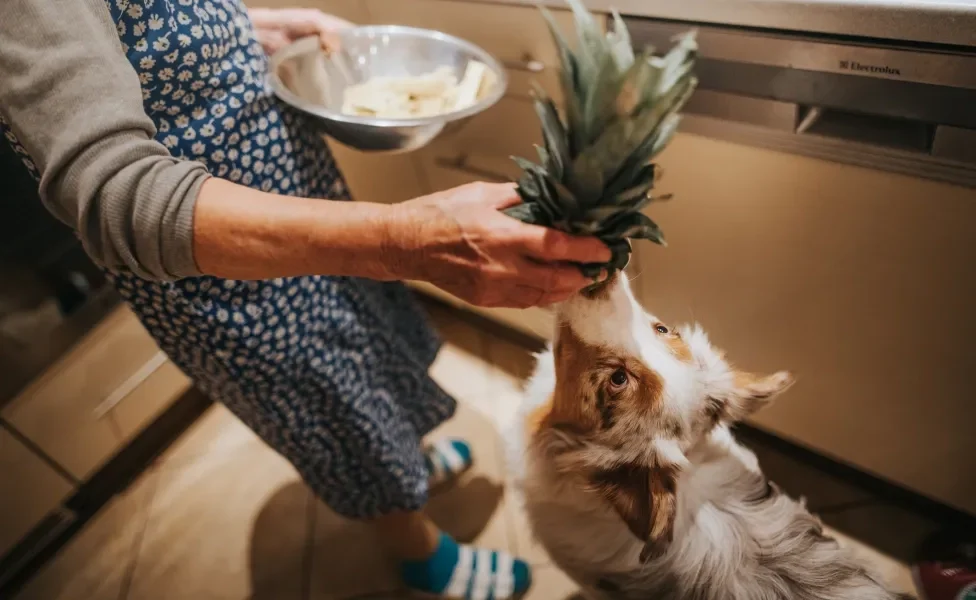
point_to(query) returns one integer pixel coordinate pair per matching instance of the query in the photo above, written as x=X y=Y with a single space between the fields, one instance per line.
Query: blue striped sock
x=458 y=571
x=446 y=459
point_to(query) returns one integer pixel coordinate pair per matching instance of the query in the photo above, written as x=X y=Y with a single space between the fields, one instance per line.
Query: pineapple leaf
x=595 y=173
x=527 y=213
x=545 y=159
x=598 y=107
x=553 y=134
x=621 y=46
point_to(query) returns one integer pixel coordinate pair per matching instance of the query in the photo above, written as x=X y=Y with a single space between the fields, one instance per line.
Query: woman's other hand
x=278 y=27
x=459 y=241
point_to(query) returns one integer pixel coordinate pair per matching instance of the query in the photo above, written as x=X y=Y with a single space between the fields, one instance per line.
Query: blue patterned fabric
x=330 y=371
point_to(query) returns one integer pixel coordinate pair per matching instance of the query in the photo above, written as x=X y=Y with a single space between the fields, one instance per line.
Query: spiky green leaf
x=595 y=174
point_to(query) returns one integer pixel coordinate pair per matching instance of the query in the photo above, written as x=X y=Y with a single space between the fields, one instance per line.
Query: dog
x=633 y=482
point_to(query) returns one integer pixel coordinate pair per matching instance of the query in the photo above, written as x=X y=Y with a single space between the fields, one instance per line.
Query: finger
x=303 y=22
x=501 y=195
x=553 y=278
x=551 y=245
x=272 y=41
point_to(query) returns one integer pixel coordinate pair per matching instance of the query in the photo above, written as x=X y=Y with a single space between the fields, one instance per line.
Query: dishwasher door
x=851 y=262
x=860 y=281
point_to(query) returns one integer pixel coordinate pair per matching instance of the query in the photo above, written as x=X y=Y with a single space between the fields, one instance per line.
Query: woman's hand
x=278 y=27
x=459 y=241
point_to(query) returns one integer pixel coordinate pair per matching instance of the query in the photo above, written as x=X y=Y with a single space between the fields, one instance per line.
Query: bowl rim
x=293 y=49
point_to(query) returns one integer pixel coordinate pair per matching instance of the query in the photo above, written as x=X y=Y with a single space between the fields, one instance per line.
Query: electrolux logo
x=853 y=65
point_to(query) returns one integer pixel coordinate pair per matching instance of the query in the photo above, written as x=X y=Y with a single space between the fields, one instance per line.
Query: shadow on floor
x=342 y=558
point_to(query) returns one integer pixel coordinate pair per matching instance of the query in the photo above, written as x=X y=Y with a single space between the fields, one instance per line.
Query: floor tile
x=95 y=564
x=217 y=434
x=895 y=573
x=348 y=559
x=549 y=583
x=227 y=525
x=461 y=367
x=471 y=509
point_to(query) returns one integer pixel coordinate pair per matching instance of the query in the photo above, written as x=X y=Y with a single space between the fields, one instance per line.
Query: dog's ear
x=742 y=394
x=645 y=498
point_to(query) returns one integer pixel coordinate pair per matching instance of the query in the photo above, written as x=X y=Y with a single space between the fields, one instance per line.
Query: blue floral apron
x=330 y=371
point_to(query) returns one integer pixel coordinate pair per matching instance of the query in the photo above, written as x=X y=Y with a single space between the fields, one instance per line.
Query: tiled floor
x=220 y=516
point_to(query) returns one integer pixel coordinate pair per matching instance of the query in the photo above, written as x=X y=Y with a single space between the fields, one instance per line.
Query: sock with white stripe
x=446 y=459
x=460 y=572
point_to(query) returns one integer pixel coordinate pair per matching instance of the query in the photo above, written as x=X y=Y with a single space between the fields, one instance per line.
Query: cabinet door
x=148 y=393
x=60 y=411
x=515 y=35
x=385 y=178
x=859 y=281
x=30 y=490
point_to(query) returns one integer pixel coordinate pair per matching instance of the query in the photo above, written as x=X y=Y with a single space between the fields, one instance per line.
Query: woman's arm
x=75 y=103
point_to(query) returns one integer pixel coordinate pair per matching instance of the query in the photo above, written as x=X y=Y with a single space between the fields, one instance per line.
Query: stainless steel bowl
x=302 y=76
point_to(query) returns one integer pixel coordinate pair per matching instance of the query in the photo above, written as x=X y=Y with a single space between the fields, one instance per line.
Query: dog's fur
x=634 y=483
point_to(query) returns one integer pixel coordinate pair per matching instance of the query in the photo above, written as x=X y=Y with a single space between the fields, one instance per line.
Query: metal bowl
x=302 y=76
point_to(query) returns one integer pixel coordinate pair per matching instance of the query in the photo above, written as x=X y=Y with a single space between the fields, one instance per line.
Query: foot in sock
x=446 y=460
x=460 y=572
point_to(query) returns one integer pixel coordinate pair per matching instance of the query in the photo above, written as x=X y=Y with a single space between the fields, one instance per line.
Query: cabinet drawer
x=58 y=412
x=447 y=169
x=482 y=150
x=31 y=490
x=147 y=394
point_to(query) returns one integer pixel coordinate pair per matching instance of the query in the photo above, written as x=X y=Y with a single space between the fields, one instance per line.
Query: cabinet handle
x=130 y=384
x=527 y=64
x=460 y=163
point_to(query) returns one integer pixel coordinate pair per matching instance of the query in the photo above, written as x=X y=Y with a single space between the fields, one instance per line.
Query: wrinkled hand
x=278 y=27
x=459 y=241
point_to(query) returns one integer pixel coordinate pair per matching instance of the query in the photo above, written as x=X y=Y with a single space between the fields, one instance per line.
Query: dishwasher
x=825 y=222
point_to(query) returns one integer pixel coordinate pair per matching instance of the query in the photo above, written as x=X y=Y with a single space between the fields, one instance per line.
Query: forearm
x=241 y=233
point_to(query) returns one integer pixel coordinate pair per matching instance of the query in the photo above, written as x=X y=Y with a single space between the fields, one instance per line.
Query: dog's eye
x=661 y=329
x=619 y=378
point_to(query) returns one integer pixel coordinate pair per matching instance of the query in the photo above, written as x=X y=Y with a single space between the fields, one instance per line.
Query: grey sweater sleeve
x=73 y=100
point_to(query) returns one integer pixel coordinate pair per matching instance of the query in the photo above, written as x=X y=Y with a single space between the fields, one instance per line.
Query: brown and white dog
x=633 y=482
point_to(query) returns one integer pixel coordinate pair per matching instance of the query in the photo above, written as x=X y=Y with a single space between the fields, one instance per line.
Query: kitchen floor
x=221 y=516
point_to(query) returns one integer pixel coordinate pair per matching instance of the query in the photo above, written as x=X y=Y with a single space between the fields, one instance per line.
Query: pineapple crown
x=595 y=173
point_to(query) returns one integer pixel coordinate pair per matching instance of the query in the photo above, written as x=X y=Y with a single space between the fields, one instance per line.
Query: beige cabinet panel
x=385 y=178
x=154 y=392
x=860 y=281
x=510 y=33
x=351 y=10
x=482 y=150
x=515 y=35
x=59 y=411
x=537 y=321
x=30 y=490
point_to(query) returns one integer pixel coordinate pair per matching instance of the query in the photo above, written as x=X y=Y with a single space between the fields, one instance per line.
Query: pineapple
x=595 y=173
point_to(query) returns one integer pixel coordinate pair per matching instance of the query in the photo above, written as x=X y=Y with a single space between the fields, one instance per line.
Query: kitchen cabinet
x=859 y=281
x=515 y=35
x=29 y=490
x=59 y=411
x=148 y=393
x=102 y=393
